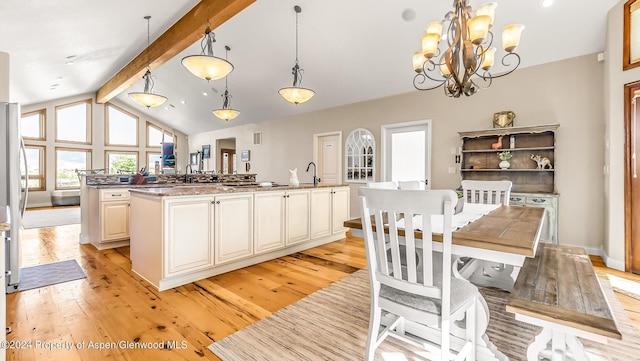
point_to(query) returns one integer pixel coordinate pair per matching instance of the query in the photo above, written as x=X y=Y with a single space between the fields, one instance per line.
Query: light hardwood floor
x=113 y=305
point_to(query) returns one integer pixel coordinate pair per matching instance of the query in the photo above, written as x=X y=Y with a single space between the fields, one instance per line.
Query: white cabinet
x=233 y=227
x=187 y=235
x=547 y=201
x=320 y=212
x=108 y=217
x=340 y=209
x=329 y=211
x=115 y=221
x=298 y=216
x=269 y=220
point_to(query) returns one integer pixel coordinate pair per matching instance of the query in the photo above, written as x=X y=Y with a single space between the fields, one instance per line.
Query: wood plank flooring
x=114 y=308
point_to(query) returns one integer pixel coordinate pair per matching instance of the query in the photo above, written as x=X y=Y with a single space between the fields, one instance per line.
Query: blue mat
x=49 y=274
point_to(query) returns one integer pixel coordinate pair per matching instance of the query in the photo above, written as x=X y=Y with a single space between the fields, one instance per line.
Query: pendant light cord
x=297 y=12
x=148 y=17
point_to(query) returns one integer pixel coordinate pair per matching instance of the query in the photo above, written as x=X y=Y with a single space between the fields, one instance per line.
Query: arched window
x=360 y=153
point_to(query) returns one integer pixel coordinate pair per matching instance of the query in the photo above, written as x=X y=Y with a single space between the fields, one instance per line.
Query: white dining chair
x=486 y=192
x=383 y=185
x=404 y=290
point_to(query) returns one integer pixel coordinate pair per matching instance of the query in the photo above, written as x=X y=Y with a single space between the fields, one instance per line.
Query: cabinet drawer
x=536 y=200
x=114 y=194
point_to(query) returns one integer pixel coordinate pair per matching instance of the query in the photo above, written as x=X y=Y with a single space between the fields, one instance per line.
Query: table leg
x=556 y=345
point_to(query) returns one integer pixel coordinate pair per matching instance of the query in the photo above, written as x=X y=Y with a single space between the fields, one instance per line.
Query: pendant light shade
x=226 y=113
x=147 y=98
x=206 y=65
x=296 y=94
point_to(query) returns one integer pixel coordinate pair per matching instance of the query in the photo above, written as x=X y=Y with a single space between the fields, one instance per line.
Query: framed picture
x=503 y=119
x=244 y=156
x=206 y=151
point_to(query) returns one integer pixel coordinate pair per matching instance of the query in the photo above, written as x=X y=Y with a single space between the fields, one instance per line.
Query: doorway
x=228 y=161
x=406 y=152
x=631 y=177
x=327 y=154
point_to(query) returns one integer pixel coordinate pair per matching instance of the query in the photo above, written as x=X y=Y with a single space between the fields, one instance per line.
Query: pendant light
x=296 y=94
x=206 y=65
x=147 y=98
x=226 y=113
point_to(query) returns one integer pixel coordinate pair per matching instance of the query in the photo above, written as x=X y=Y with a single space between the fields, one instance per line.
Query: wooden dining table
x=489 y=251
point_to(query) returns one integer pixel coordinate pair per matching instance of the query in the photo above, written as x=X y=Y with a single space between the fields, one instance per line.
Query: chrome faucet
x=316 y=180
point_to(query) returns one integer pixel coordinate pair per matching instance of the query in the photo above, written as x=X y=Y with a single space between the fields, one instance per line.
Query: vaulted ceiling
x=351 y=51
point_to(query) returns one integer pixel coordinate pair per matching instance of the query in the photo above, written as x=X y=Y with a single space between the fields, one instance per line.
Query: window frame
x=89 y=121
x=164 y=132
x=43 y=124
x=106 y=126
x=627 y=63
x=42 y=176
x=114 y=151
x=69 y=149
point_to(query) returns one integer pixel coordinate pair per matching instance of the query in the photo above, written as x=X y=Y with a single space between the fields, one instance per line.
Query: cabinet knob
x=213 y=202
x=217 y=202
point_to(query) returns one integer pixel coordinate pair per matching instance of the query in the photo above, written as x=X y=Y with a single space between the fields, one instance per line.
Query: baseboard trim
x=610 y=262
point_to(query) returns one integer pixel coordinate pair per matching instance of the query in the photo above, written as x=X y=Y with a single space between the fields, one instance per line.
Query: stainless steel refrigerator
x=13 y=187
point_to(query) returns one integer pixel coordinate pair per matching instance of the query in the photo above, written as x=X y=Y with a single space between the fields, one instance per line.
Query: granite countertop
x=191 y=190
x=5 y=223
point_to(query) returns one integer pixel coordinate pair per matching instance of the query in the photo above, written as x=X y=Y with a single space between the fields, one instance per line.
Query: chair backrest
x=383 y=185
x=395 y=267
x=486 y=192
x=411 y=185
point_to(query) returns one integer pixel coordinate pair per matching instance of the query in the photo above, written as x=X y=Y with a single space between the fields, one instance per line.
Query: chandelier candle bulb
x=434 y=28
x=444 y=69
x=478 y=27
x=511 y=36
x=418 y=61
x=430 y=45
x=487 y=9
x=489 y=56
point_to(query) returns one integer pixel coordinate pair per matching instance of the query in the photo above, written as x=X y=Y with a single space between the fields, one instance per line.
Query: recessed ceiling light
x=166 y=108
x=546 y=3
x=205 y=94
x=409 y=14
x=69 y=62
x=183 y=102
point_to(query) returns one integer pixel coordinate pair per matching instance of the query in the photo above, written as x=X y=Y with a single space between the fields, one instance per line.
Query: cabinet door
x=188 y=242
x=298 y=216
x=549 y=230
x=269 y=221
x=320 y=212
x=233 y=227
x=115 y=221
x=340 y=209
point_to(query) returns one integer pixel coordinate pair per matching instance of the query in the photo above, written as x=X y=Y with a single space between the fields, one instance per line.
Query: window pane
x=122 y=162
x=408 y=156
x=67 y=162
x=634 y=34
x=122 y=127
x=71 y=123
x=31 y=126
x=152 y=158
x=35 y=164
x=154 y=136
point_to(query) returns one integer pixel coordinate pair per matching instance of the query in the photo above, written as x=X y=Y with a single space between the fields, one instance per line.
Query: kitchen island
x=182 y=234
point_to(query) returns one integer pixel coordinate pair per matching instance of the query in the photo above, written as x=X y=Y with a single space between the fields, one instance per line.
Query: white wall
x=568 y=92
x=616 y=78
x=43 y=198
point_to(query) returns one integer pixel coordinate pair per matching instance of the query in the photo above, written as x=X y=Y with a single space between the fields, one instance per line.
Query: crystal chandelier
x=463 y=67
x=206 y=65
x=296 y=94
x=226 y=113
x=147 y=98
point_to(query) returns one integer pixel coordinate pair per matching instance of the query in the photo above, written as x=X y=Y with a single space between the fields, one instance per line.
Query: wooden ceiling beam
x=184 y=33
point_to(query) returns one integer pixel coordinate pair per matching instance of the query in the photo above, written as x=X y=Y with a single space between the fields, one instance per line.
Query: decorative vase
x=504 y=164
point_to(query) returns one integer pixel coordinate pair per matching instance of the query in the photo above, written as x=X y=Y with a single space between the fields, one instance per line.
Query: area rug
x=49 y=274
x=331 y=324
x=51 y=217
x=625 y=286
